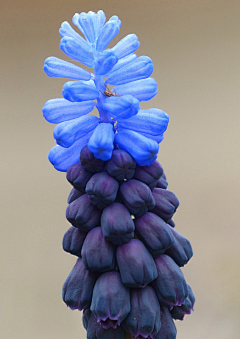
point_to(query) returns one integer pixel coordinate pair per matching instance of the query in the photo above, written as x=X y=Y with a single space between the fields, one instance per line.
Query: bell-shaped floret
x=67 y=31
x=178 y=312
x=149 y=174
x=121 y=165
x=143 y=320
x=78 y=177
x=117 y=224
x=74 y=194
x=89 y=162
x=55 y=67
x=67 y=132
x=126 y=46
x=123 y=62
x=85 y=22
x=78 y=288
x=142 y=149
x=111 y=300
x=98 y=20
x=166 y=203
x=162 y=182
x=122 y=107
x=143 y=90
x=59 y=110
x=73 y=240
x=109 y=31
x=80 y=91
x=77 y=51
x=171 y=223
x=105 y=62
x=96 y=331
x=86 y=317
x=152 y=123
x=102 y=189
x=101 y=142
x=82 y=214
x=170 y=285
x=140 y=68
x=62 y=158
x=154 y=233
x=137 y=197
x=136 y=265
x=97 y=253
x=181 y=251
x=168 y=329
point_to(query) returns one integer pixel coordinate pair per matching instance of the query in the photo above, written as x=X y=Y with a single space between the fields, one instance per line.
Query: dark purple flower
x=73 y=240
x=78 y=288
x=74 y=194
x=96 y=331
x=137 y=197
x=136 y=265
x=178 y=312
x=162 y=182
x=154 y=233
x=89 y=162
x=86 y=317
x=166 y=203
x=117 y=224
x=170 y=285
x=98 y=254
x=78 y=177
x=181 y=251
x=168 y=329
x=143 y=320
x=111 y=300
x=102 y=189
x=171 y=223
x=82 y=214
x=121 y=165
x=149 y=174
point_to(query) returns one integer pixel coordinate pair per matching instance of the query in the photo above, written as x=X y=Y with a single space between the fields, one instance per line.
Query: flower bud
x=111 y=300
x=121 y=165
x=162 y=182
x=166 y=203
x=143 y=320
x=136 y=265
x=89 y=162
x=171 y=223
x=102 y=189
x=97 y=253
x=96 y=331
x=170 y=285
x=86 y=317
x=154 y=233
x=73 y=240
x=178 y=312
x=78 y=288
x=168 y=329
x=149 y=174
x=137 y=197
x=181 y=251
x=82 y=214
x=78 y=177
x=117 y=224
x=74 y=194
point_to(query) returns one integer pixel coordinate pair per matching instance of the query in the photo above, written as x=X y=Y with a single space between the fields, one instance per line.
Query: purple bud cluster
x=127 y=278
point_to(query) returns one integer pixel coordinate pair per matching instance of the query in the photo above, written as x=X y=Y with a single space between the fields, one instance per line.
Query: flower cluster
x=121 y=123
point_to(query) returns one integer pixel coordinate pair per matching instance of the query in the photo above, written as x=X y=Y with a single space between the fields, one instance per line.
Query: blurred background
x=195 y=48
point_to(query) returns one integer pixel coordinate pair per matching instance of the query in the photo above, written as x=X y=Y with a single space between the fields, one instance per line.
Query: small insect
x=109 y=93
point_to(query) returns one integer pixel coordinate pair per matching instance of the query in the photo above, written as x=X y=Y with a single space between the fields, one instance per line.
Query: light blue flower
x=121 y=123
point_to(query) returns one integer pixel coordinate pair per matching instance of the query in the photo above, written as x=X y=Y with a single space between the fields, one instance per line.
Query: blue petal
x=140 y=68
x=62 y=158
x=59 y=110
x=67 y=31
x=76 y=51
x=142 y=149
x=110 y=30
x=86 y=23
x=126 y=46
x=99 y=22
x=122 y=107
x=79 y=91
x=143 y=90
x=55 y=67
x=101 y=142
x=151 y=122
x=68 y=132
x=105 y=62
x=124 y=61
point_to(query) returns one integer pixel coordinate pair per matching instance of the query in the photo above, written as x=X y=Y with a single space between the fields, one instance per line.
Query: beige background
x=195 y=48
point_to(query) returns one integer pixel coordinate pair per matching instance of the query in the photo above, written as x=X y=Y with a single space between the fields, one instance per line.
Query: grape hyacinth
x=127 y=278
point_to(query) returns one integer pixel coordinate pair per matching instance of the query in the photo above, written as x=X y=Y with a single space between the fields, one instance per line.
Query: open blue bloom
x=129 y=78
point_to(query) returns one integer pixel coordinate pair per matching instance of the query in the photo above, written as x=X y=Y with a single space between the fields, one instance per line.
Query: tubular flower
x=129 y=78
x=127 y=278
